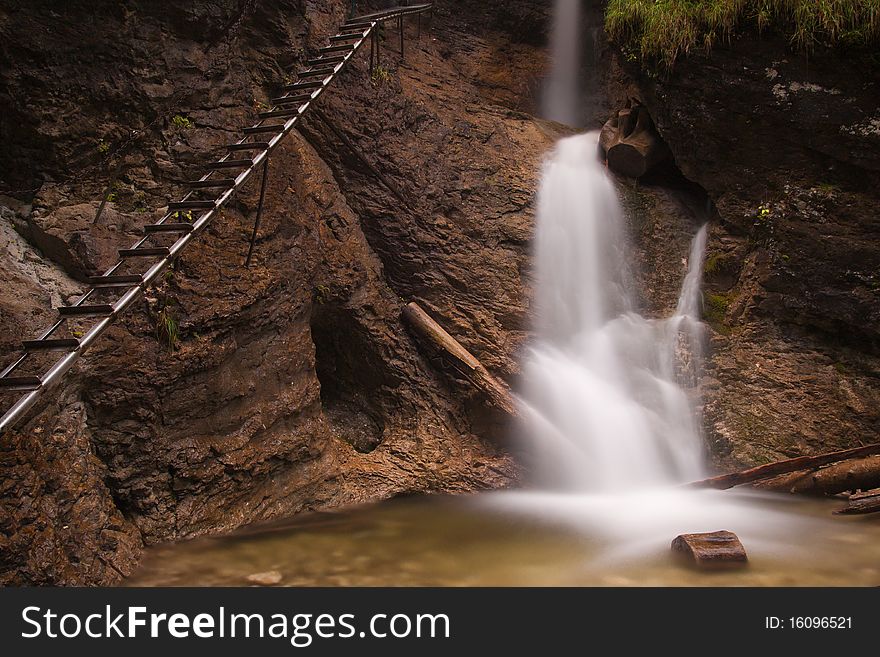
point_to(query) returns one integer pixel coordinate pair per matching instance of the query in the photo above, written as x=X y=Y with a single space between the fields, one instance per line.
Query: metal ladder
x=188 y=217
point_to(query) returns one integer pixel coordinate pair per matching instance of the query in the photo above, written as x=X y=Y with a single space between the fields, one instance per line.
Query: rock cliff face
x=293 y=385
x=787 y=149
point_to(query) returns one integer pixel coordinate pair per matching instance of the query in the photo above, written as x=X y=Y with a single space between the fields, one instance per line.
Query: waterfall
x=559 y=102
x=608 y=396
x=604 y=388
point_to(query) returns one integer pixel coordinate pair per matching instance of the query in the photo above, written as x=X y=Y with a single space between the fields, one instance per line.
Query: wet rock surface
x=292 y=385
x=788 y=151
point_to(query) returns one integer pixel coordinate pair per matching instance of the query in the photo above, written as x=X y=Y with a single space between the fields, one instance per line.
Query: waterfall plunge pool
x=518 y=538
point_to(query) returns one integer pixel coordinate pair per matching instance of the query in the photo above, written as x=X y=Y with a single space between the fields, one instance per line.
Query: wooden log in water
x=800 y=463
x=440 y=343
x=867 y=502
x=852 y=474
x=721 y=549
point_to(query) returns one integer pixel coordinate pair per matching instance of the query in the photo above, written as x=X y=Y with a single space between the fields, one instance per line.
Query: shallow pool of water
x=533 y=539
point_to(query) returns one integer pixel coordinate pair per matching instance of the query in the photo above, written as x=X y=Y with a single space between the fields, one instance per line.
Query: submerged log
x=801 y=463
x=852 y=474
x=867 y=502
x=440 y=343
x=721 y=549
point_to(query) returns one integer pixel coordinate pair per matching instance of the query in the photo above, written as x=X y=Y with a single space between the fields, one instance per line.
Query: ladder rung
x=248 y=146
x=49 y=344
x=309 y=84
x=211 y=183
x=229 y=164
x=263 y=129
x=168 y=227
x=101 y=310
x=149 y=251
x=354 y=36
x=127 y=280
x=361 y=24
x=287 y=100
x=20 y=383
x=316 y=73
x=191 y=205
x=335 y=48
x=279 y=113
x=325 y=60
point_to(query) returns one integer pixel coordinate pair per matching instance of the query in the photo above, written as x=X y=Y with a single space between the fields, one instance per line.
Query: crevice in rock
x=691 y=194
x=352 y=376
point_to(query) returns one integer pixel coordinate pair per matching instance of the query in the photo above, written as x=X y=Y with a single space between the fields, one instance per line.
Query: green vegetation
x=381 y=75
x=715 y=263
x=103 y=147
x=167 y=328
x=322 y=294
x=664 y=30
x=828 y=189
x=762 y=226
x=181 y=122
x=715 y=308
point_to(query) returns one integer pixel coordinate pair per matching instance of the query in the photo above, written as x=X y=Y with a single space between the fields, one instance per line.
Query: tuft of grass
x=664 y=30
x=381 y=75
x=167 y=330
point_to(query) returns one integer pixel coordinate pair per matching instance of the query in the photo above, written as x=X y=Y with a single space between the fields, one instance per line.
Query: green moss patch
x=715 y=307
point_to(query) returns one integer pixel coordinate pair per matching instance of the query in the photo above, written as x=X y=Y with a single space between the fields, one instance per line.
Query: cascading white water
x=559 y=102
x=603 y=396
x=607 y=393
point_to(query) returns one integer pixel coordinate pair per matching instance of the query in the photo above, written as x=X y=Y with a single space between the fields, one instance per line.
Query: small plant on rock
x=322 y=294
x=181 y=122
x=167 y=329
x=380 y=76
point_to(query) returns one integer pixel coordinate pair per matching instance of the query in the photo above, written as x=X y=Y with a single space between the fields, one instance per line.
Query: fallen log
x=868 y=502
x=720 y=549
x=799 y=463
x=441 y=344
x=852 y=474
x=631 y=143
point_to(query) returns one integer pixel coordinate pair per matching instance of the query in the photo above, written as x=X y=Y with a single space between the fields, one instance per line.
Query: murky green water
x=528 y=540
